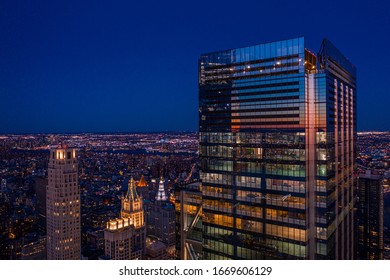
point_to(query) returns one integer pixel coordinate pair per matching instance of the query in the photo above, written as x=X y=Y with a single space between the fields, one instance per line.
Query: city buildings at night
x=277 y=126
x=103 y=180
x=63 y=206
x=105 y=162
x=125 y=237
x=370 y=216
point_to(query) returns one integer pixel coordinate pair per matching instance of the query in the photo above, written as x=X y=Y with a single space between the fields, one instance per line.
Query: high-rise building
x=63 y=206
x=125 y=237
x=277 y=130
x=161 y=217
x=370 y=216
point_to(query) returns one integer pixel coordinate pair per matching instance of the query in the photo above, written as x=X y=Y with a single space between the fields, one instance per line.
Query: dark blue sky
x=107 y=66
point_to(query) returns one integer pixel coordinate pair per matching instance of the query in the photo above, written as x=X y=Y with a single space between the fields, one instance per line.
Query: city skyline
x=133 y=67
x=204 y=130
x=106 y=164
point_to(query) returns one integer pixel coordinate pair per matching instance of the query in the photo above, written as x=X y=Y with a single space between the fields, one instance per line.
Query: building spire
x=161 y=196
x=132 y=204
x=131 y=194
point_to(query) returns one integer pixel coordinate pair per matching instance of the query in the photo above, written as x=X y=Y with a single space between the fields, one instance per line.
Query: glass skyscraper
x=277 y=127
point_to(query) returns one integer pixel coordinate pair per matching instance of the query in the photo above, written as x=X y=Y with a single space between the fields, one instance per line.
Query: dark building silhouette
x=40 y=192
x=370 y=217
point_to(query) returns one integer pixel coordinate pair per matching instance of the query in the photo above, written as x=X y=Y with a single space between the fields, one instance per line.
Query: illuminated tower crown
x=132 y=205
x=161 y=196
x=125 y=237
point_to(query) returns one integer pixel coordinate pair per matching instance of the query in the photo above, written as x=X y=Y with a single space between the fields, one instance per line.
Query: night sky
x=127 y=66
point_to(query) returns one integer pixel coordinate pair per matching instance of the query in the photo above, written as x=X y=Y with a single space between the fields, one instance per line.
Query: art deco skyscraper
x=277 y=149
x=125 y=237
x=63 y=206
x=161 y=217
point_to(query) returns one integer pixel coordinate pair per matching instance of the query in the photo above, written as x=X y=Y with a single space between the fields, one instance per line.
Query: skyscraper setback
x=277 y=130
x=63 y=206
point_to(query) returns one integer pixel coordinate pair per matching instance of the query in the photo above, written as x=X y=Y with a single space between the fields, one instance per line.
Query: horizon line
x=106 y=132
x=130 y=132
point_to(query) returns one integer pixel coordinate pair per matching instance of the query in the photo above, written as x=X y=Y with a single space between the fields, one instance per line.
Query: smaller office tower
x=370 y=217
x=63 y=206
x=125 y=237
x=161 y=218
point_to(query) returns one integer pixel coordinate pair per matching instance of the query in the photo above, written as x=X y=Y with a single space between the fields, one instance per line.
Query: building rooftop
x=157 y=246
x=142 y=182
x=370 y=175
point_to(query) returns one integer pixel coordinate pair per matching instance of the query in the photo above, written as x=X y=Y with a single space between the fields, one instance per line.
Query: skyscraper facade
x=277 y=127
x=370 y=217
x=63 y=206
x=125 y=237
